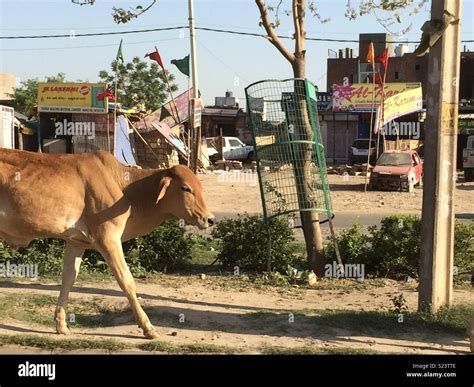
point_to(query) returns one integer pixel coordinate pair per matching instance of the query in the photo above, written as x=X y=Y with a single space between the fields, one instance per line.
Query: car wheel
x=250 y=157
x=468 y=175
x=420 y=182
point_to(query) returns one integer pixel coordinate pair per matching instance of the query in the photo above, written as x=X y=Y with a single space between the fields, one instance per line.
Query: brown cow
x=92 y=202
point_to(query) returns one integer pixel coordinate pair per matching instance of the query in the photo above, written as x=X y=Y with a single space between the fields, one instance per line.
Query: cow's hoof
x=62 y=329
x=151 y=334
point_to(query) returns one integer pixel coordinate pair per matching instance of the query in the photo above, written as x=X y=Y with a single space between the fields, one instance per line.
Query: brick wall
x=163 y=155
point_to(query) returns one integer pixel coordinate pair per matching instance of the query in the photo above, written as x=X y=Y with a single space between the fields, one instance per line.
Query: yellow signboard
x=71 y=98
x=357 y=97
x=401 y=104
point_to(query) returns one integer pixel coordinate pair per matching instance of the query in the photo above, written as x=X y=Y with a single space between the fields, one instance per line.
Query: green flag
x=119 y=52
x=164 y=113
x=182 y=65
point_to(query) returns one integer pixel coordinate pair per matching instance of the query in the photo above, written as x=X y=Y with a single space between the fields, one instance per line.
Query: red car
x=400 y=170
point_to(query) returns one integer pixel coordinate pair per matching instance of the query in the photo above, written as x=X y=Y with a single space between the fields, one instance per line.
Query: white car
x=233 y=149
x=360 y=150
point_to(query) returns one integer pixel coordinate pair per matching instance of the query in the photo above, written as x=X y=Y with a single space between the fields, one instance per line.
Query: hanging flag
x=119 y=52
x=105 y=94
x=164 y=113
x=370 y=54
x=383 y=58
x=156 y=57
x=182 y=65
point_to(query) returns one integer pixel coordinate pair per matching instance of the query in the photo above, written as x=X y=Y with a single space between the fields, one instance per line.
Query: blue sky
x=225 y=62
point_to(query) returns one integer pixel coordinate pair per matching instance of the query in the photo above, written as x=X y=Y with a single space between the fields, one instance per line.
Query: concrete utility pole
x=437 y=230
x=197 y=133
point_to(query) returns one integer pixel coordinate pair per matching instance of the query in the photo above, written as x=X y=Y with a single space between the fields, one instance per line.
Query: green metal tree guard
x=279 y=123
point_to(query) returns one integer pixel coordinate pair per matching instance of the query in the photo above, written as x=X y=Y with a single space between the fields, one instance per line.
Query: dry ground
x=227 y=315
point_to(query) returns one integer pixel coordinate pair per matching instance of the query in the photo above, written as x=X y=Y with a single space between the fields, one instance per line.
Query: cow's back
x=48 y=194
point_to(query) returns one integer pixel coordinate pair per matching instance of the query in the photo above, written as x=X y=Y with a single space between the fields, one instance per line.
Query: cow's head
x=180 y=195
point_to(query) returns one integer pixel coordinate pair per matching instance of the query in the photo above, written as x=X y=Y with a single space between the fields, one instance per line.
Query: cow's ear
x=164 y=184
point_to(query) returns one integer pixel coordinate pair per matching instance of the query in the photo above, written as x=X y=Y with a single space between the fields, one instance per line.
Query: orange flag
x=383 y=58
x=371 y=55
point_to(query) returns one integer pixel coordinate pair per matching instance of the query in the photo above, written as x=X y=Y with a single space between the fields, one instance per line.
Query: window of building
x=397 y=75
x=417 y=67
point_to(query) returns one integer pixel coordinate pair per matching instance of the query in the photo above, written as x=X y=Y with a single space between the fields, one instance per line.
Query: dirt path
x=189 y=310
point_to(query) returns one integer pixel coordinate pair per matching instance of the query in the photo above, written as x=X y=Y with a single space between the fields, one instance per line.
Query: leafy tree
x=139 y=83
x=26 y=96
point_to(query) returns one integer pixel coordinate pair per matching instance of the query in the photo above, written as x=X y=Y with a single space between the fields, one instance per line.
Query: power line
x=79 y=47
x=92 y=33
x=241 y=33
x=311 y=39
x=221 y=61
x=83 y=28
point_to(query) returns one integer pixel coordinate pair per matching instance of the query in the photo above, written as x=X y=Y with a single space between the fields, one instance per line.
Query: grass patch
x=53 y=344
x=37 y=309
x=456 y=317
x=159 y=346
x=81 y=313
x=94 y=276
x=452 y=321
x=97 y=314
x=317 y=351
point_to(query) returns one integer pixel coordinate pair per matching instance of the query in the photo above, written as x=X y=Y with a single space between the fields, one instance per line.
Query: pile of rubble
x=233 y=164
x=351 y=170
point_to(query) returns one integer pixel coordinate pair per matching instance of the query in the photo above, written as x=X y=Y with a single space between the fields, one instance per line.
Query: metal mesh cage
x=288 y=147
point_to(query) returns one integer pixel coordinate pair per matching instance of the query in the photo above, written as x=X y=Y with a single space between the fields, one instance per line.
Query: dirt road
x=237 y=192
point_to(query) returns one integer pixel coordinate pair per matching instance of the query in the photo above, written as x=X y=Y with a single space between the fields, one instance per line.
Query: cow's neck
x=132 y=175
x=141 y=187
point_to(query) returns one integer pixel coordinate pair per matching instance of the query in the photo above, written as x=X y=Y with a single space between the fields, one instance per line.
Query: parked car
x=360 y=150
x=401 y=170
x=233 y=148
x=468 y=159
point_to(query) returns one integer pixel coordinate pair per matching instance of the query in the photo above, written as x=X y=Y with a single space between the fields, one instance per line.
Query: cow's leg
x=111 y=250
x=72 y=262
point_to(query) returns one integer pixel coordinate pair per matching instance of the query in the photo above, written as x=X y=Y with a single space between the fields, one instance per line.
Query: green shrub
x=393 y=249
x=464 y=247
x=166 y=248
x=244 y=242
x=352 y=244
x=46 y=253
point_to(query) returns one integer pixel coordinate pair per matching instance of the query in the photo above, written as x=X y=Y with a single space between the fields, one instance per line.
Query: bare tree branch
x=394 y=7
x=271 y=34
x=296 y=26
x=298 y=19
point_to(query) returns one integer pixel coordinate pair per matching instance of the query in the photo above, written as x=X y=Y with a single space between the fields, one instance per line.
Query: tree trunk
x=302 y=166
